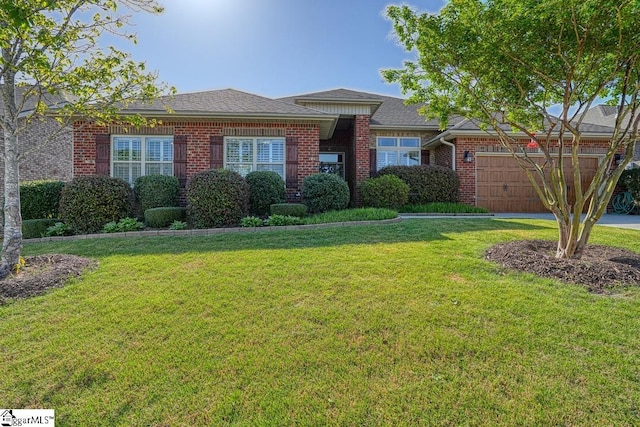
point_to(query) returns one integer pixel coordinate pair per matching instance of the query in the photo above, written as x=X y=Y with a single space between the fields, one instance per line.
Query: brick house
x=46 y=149
x=341 y=131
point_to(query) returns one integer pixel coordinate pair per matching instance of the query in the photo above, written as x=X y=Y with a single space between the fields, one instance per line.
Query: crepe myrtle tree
x=511 y=64
x=51 y=50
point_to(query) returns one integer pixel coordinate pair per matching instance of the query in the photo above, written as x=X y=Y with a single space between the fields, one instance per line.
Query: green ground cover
x=399 y=324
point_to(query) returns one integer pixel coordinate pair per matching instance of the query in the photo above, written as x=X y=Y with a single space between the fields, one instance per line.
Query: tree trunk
x=12 y=242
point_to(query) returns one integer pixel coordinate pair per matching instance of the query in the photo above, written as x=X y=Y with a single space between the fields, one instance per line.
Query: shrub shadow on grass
x=414 y=230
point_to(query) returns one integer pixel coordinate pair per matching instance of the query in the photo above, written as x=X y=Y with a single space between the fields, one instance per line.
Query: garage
x=502 y=186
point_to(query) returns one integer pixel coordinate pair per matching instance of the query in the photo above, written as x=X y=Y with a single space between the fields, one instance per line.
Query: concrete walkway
x=608 y=220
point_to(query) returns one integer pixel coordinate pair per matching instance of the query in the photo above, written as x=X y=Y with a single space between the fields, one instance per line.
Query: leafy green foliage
x=89 y=202
x=292 y=209
x=445 y=208
x=164 y=216
x=59 y=229
x=323 y=192
x=124 y=225
x=530 y=70
x=178 y=225
x=630 y=181
x=427 y=183
x=40 y=199
x=280 y=220
x=386 y=191
x=217 y=198
x=34 y=228
x=153 y=191
x=350 y=215
x=265 y=189
x=251 y=221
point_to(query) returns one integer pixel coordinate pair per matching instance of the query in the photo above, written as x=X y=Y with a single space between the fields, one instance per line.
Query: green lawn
x=401 y=324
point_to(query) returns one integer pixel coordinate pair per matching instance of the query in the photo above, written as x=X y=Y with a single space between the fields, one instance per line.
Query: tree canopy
x=54 y=50
x=533 y=67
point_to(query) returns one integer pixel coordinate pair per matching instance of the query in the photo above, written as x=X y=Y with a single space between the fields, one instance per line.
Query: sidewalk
x=609 y=220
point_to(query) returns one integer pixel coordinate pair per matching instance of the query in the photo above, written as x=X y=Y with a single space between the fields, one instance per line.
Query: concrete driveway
x=609 y=220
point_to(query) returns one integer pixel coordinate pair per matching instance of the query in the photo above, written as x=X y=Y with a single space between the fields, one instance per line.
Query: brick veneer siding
x=361 y=136
x=467 y=171
x=43 y=158
x=198 y=135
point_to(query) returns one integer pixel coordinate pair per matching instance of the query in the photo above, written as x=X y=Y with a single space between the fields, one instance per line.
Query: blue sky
x=272 y=48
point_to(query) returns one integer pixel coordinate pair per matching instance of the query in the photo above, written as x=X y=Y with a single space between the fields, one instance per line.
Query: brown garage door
x=502 y=186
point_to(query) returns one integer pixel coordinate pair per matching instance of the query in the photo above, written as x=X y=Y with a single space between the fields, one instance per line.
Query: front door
x=332 y=163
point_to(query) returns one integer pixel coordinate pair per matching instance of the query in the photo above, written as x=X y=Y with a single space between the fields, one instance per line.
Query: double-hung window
x=392 y=151
x=245 y=155
x=135 y=156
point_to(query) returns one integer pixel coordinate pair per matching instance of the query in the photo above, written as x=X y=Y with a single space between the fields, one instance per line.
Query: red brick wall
x=198 y=140
x=361 y=147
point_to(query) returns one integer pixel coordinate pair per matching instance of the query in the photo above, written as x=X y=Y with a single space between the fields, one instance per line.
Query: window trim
x=398 y=148
x=143 y=152
x=255 y=162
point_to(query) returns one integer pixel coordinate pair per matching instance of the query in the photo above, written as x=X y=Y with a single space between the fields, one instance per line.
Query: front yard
x=400 y=324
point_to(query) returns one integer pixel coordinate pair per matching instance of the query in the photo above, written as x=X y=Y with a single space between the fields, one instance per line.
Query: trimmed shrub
x=87 y=203
x=289 y=209
x=154 y=191
x=40 y=199
x=386 y=191
x=265 y=189
x=164 y=217
x=217 y=198
x=630 y=181
x=427 y=183
x=324 y=192
x=280 y=220
x=34 y=228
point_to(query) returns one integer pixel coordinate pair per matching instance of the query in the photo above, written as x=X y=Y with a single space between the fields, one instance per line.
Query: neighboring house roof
x=28 y=104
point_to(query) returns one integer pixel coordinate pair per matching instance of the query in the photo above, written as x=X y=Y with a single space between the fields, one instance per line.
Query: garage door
x=502 y=186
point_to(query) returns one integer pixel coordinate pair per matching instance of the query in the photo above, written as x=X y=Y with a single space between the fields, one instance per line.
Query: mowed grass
x=401 y=324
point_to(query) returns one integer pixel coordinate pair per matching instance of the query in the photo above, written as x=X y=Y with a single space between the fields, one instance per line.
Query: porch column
x=361 y=141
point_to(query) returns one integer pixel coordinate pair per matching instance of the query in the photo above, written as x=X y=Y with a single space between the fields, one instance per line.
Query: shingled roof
x=224 y=102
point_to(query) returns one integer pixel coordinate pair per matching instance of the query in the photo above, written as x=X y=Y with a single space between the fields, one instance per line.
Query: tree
x=509 y=64
x=51 y=50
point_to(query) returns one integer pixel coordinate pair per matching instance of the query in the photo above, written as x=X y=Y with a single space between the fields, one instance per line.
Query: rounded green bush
x=427 y=183
x=154 y=191
x=289 y=209
x=87 y=203
x=40 y=199
x=164 y=216
x=386 y=191
x=324 y=192
x=265 y=189
x=217 y=198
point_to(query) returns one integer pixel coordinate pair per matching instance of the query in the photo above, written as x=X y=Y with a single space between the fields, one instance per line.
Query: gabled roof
x=226 y=102
x=32 y=98
x=388 y=112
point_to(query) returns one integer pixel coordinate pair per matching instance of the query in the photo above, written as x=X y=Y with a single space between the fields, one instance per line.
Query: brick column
x=361 y=141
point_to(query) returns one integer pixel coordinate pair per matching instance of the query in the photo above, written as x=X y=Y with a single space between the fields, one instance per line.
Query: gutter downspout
x=453 y=152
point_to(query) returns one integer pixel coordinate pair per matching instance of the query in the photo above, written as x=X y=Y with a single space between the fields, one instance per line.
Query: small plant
x=178 y=225
x=21 y=263
x=59 y=229
x=124 y=225
x=278 y=220
x=292 y=209
x=251 y=221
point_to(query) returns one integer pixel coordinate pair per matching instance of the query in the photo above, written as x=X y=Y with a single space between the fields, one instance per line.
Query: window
x=393 y=151
x=135 y=156
x=245 y=155
x=332 y=163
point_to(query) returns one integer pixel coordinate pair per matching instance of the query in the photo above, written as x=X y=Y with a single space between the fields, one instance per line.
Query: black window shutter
x=180 y=159
x=292 y=162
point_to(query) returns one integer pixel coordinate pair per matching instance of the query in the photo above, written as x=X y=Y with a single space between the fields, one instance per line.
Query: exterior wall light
x=467 y=157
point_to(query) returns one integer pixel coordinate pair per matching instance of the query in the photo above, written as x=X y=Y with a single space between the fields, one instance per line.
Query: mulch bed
x=600 y=270
x=41 y=273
